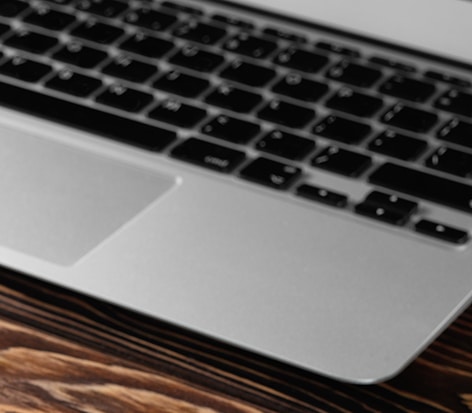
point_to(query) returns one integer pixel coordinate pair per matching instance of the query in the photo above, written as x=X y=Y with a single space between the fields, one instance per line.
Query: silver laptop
x=292 y=177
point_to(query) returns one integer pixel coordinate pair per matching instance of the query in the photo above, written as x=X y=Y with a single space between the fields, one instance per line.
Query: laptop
x=293 y=178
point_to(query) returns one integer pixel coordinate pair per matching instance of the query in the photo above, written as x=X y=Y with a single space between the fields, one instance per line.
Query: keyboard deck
x=241 y=96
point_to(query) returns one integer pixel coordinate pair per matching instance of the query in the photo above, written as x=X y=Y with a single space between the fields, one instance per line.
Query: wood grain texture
x=62 y=352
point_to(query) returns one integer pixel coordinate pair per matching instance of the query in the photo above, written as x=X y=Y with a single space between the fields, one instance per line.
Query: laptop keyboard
x=253 y=100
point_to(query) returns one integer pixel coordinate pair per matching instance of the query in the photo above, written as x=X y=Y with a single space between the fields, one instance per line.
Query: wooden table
x=62 y=352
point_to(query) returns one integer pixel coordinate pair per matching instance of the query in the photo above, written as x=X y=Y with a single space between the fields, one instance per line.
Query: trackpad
x=58 y=203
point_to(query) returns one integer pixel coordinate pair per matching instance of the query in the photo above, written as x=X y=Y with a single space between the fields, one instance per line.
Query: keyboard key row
x=245 y=43
x=333 y=127
x=86 y=118
x=387 y=208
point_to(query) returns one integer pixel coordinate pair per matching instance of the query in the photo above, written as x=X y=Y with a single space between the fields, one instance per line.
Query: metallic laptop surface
x=290 y=177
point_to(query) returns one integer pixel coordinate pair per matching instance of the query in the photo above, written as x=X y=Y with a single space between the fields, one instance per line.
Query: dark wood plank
x=62 y=352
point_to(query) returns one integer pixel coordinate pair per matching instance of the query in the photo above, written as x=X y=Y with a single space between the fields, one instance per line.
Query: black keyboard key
x=24 y=69
x=182 y=84
x=12 y=8
x=284 y=35
x=233 y=98
x=297 y=87
x=181 y=8
x=250 y=45
x=286 y=114
x=300 y=59
x=178 y=114
x=31 y=42
x=338 y=49
x=392 y=202
x=124 y=98
x=50 y=19
x=232 y=21
x=231 y=129
x=130 y=69
x=354 y=74
x=271 y=173
x=451 y=161
x=387 y=208
x=200 y=32
x=149 y=46
x=458 y=132
x=208 y=155
x=3 y=29
x=105 y=8
x=248 y=73
x=380 y=213
x=85 y=118
x=412 y=119
x=197 y=59
x=286 y=145
x=442 y=232
x=424 y=185
x=97 y=32
x=404 y=87
x=341 y=161
x=150 y=19
x=322 y=195
x=341 y=129
x=398 y=145
x=393 y=64
x=355 y=103
x=77 y=54
x=456 y=101
x=446 y=78
x=72 y=83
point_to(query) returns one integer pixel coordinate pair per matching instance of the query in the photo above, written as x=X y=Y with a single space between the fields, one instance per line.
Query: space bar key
x=85 y=118
x=423 y=185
